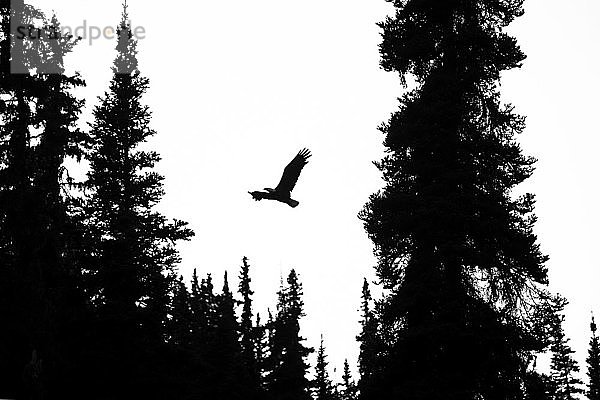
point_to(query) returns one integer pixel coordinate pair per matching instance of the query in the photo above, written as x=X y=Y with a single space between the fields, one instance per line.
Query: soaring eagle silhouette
x=291 y=173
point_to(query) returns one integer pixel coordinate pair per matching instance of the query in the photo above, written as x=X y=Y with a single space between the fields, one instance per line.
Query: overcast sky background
x=238 y=87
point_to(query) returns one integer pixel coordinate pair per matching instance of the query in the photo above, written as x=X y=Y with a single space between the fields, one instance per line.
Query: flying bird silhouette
x=288 y=181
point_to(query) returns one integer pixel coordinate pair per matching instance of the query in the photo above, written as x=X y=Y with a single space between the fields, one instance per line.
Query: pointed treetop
x=126 y=62
x=195 y=281
x=593 y=364
x=225 y=284
x=208 y=284
x=366 y=302
x=245 y=280
x=125 y=14
x=366 y=290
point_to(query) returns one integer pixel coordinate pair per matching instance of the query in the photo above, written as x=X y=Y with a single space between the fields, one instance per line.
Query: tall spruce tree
x=593 y=364
x=61 y=250
x=287 y=368
x=349 y=389
x=539 y=385
x=369 y=343
x=457 y=256
x=133 y=244
x=230 y=374
x=564 y=368
x=322 y=385
x=248 y=332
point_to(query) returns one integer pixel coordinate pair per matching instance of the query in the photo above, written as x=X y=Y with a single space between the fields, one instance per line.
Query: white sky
x=238 y=87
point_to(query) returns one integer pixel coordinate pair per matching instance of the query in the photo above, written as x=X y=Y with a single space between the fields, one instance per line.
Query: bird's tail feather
x=293 y=203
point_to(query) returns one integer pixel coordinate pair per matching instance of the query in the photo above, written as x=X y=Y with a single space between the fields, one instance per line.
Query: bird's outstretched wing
x=291 y=173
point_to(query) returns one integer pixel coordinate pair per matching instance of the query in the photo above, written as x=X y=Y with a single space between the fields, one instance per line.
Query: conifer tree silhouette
x=286 y=376
x=322 y=385
x=196 y=306
x=208 y=308
x=133 y=244
x=564 y=383
x=203 y=355
x=40 y=301
x=349 y=389
x=593 y=364
x=539 y=385
x=248 y=333
x=203 y=307
x=457 y=255
x=207 y=314
x=227 y=350
x=369 y=345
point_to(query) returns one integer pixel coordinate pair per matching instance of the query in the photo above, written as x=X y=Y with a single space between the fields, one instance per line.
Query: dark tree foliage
x=261 y=343
x=248 y=333
x=202 y=367
x=593 y=364
x=349 y=390
x=564 y=383
x=287 y=368
x=180 y=324
x=132 y=247
x=203 y=303
x=458 y=259
x=41 y=305
x=538 y=386
x=322 y=385
x=93 y=308
x=230 y=374
x=197 y=307
x=271 y=351
x=89 y=297
x=369 y=345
